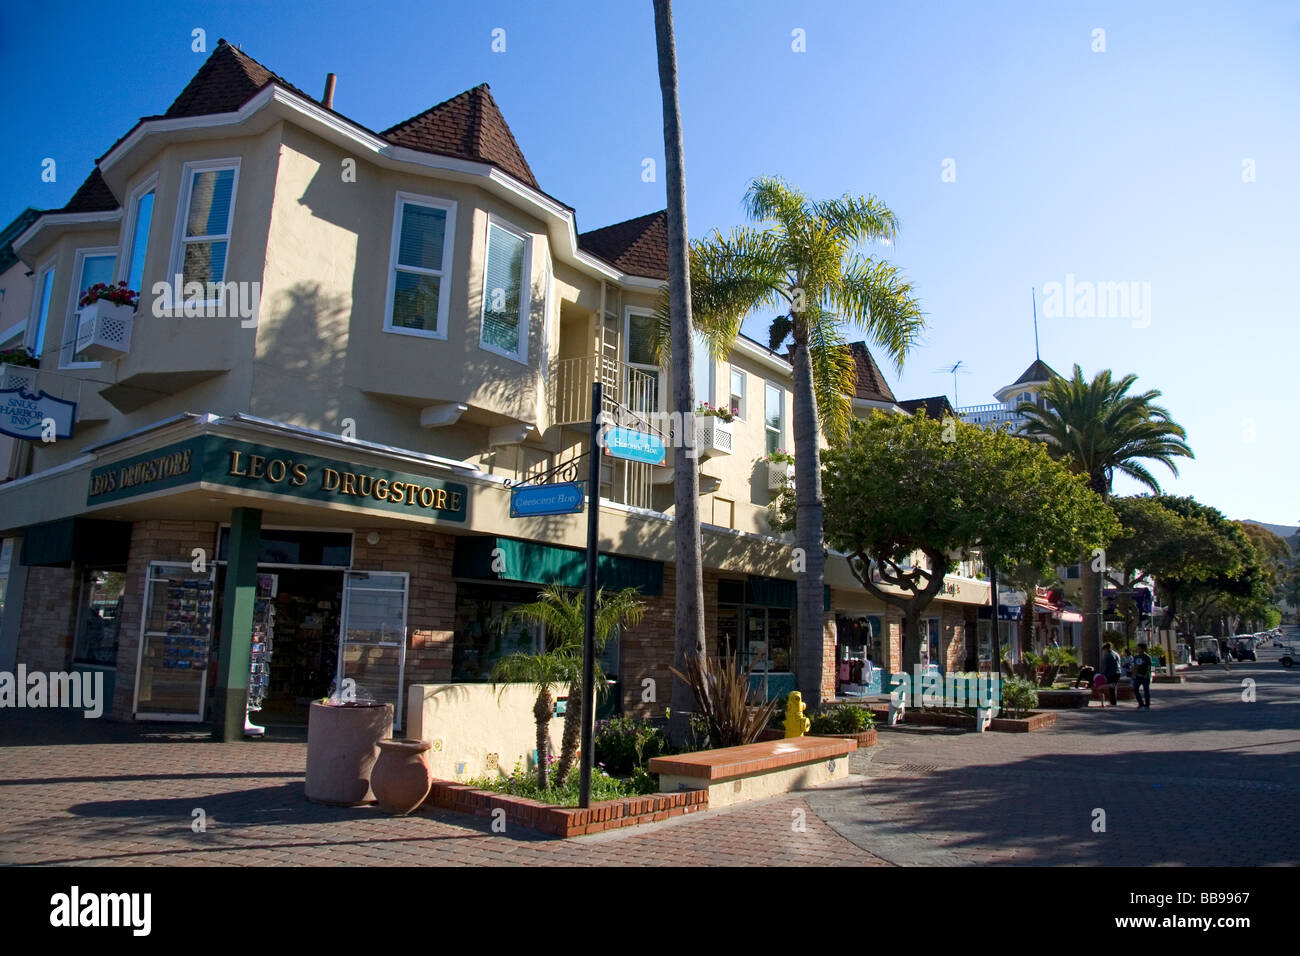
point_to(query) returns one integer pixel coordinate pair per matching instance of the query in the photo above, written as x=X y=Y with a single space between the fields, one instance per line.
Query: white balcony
x=713 y=436
x=104 y=331
x=625 y=390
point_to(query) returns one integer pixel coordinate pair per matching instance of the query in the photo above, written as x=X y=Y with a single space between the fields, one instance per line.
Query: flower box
x=712 y=436
x=104 y=330
x=779 y=474
x=18 y=376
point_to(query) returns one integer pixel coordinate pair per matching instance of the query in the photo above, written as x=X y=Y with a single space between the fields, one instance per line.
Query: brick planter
x=865 y=739
x=566 y=821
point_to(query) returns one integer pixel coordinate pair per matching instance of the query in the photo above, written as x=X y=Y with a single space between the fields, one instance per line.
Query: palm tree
x=544 y=671
x=689 y=573
x=807 y=261
x=563 y=614
x=1099 y=429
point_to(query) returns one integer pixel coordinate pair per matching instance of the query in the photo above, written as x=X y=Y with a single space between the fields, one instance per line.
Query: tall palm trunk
x=689 y=638
x=542 y=711
x=809 y=585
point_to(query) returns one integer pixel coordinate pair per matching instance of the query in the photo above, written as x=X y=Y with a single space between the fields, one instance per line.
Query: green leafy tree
x=808 y=259
x=564 y=615
x=1200 y=560
x=1098 y=429
x=938 y=498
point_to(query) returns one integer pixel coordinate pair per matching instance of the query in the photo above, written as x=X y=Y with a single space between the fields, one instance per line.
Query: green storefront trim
x=777 y=592
x=249 y=467
x=537 y=563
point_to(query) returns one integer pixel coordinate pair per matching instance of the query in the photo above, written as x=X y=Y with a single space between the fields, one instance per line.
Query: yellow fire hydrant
x=796 y=724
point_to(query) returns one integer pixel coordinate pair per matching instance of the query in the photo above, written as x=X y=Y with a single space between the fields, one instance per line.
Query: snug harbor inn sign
x=35 y=417
x=251 y=467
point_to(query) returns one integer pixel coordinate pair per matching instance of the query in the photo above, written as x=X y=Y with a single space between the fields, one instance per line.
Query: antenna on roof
x=954 y=371
x=1034 y=295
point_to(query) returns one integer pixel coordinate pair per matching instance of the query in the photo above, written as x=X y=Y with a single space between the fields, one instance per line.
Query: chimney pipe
x=328 y=100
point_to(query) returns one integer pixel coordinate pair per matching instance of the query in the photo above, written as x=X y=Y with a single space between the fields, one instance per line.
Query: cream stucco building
x=349 y=345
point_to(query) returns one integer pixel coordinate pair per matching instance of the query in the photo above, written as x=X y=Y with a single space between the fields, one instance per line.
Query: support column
x=231 y=696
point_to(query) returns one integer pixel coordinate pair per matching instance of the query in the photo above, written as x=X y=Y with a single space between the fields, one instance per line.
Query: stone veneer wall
x=431 y=601
x=49 y=619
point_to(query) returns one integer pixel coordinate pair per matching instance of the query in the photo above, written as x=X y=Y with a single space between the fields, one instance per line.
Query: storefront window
x=483 y=636
x=766 y=641
x=100 y=617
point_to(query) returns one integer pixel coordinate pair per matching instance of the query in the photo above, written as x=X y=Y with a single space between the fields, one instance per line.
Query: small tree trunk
x=911 y=649
x=572 y=737
x=542 y=711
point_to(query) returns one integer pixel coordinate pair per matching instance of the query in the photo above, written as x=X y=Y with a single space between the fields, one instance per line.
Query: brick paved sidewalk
x=131 y=799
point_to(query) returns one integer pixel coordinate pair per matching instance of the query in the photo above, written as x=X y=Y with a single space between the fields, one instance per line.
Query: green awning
x=537 y=563
x=777 y=592
x=57 y=544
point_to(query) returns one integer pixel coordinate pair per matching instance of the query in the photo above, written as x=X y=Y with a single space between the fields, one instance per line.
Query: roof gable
x=93 y=195
x=467 y=126
x=637 y=246
x=870 y=382
x=936 y=407
x=1040 y=371
x=224 y=83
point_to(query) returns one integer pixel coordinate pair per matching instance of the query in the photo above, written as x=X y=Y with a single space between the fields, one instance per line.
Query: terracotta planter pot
x=402 y=777
x=342 y=746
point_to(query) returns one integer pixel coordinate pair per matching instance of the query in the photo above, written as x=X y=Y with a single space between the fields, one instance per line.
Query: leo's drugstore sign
x=250 y=467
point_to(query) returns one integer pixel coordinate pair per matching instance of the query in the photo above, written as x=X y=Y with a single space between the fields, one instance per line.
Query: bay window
x=420 y=266
x=507 y=270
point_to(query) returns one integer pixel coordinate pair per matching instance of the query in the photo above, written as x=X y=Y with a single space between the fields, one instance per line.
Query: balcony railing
x=626 y=390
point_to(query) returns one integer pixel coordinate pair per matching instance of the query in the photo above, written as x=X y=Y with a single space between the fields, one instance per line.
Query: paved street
x=1202 y=778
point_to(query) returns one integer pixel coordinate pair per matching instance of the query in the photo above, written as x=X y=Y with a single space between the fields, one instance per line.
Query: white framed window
x=546 y=318
x=737 y=397
x=774 y=416
x=90 y=267
x=204 y=216
x=43 y=291
x=507 y=291
x=702 y=370
x=419 y=268
x=135 y=238
x=641 y=395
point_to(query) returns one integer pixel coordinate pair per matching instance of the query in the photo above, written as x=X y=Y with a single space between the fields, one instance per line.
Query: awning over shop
x=762 y=591
x=536 y=563
x=1071 y=617
x=57 y=544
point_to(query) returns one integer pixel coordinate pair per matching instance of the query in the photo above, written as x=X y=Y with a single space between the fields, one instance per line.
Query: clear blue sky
x=1118 y=166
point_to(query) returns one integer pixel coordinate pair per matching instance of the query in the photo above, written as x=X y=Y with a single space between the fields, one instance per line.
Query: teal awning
x=538 y=563
x=777 y=592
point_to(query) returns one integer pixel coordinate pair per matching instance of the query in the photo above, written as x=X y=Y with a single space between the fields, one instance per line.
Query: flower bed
x=566 y=821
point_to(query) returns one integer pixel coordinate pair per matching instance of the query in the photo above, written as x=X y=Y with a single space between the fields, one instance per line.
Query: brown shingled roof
x=225 y=81
x=467 y=126
x=637 y=246
x=871 y=384
x=92 y=196
x=1040 y=371
x=936 y=407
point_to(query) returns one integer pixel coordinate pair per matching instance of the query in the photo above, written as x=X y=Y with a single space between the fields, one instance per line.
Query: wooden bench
x=754 y=771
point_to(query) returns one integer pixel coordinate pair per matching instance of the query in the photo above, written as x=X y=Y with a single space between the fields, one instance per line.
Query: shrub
x=736 y=715
x=624 y=744
x=1018 y=696
x=843 y=719
x=523 y=783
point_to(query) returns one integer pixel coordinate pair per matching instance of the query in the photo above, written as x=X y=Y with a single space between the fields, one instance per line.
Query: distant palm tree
x=564 y=615
x=1100 y=429
x=808 y=262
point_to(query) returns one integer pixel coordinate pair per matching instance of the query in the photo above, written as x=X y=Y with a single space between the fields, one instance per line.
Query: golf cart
x=1207 y=650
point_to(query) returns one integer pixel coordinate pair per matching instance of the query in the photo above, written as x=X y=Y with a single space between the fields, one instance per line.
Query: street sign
x=632 y=445
x=534 y=501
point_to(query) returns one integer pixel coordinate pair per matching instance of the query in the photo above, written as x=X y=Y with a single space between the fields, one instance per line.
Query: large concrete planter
x=342 y=746
x=401 y=778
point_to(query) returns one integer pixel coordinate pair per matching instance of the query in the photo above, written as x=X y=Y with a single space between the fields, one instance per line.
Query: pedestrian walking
x=1224 y=657
x=1142 y=665
x=1110 y=670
